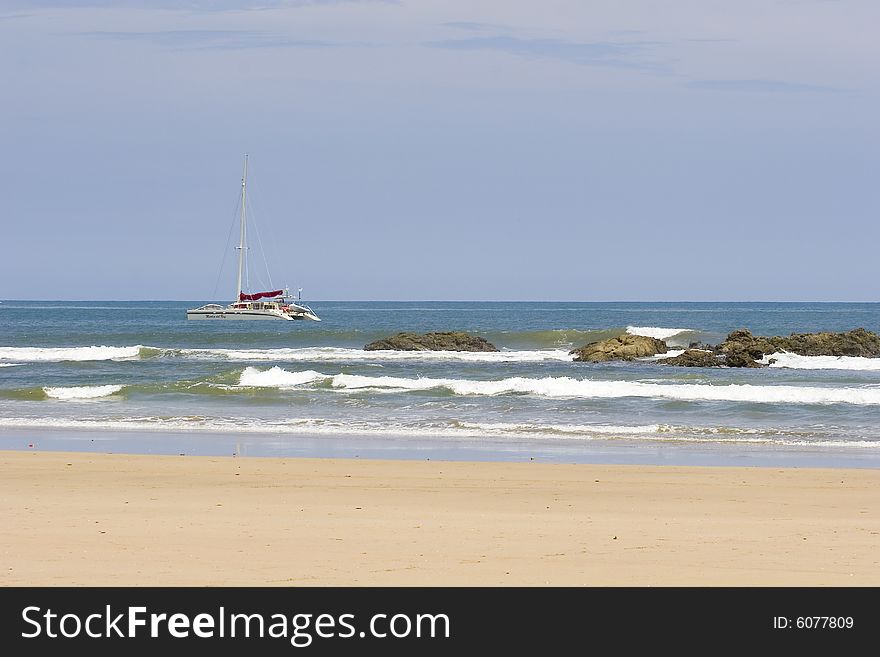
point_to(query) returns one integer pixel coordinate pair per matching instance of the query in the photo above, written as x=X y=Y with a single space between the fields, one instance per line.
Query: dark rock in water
x=741 y=346
x=740 y=358
x=701 y=345
x=741 y=343
x=742 y=349
x=693 y=358
x=448 y=341
x=857 y=342
x=623 y=347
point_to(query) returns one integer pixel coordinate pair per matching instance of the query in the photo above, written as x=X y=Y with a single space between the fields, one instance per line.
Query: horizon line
x=330 y=300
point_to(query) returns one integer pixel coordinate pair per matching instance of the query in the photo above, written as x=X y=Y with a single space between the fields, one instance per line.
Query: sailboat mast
x=242 y=235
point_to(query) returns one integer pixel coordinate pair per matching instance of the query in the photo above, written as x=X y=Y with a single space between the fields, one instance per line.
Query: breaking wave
x=81 y=392
x=656 y=331
x=310 y=354
x=277 y=378
x=567 y=387
x=58 y=354
x=305 y=354
x=794 y=361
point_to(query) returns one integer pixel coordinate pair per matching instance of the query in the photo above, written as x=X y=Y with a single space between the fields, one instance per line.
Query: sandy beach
x=120 y=520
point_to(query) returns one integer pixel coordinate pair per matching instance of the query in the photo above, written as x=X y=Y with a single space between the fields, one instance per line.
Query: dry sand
x=94 y=519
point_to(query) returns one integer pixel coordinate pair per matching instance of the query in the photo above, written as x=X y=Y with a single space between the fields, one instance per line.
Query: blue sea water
x=138 y=377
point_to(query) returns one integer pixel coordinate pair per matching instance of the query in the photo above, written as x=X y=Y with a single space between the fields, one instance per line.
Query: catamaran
x=275 y=304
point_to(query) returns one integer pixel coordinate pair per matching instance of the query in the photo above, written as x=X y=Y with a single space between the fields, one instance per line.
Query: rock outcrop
x=742 y=344
x=623 y=347
x=740 y=358
x=857 y=342
x=444 y=341
x=742 y=349
x=693 y=358
x=705 y=346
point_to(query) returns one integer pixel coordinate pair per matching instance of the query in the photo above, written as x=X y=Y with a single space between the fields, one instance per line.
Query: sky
x=442 y=149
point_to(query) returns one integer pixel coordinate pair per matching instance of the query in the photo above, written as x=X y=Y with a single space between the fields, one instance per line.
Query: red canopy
x=259 y=295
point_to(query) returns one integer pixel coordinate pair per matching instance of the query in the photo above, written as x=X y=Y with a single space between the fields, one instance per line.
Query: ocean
x=137 y=377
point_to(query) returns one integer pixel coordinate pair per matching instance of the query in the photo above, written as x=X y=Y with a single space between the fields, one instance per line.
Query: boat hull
x=249 y=315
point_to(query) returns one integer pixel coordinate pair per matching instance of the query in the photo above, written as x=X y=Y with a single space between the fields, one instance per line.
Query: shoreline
x=490 y=449
x=89 y=519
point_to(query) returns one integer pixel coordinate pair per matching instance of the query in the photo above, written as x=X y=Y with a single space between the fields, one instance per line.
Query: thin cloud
x=760 y=86
x=473 y=26
x=598 y=53
x=211 y=39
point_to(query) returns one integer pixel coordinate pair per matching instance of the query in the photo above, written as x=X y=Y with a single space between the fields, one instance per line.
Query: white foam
x=507 y=428
x=589 y=389
x=672 y=353
x=82 y=392
x=310 y=354
x=567 y=387
x=661 y=433
x=793 y=361
x=277 y=378
x=359 y=382
x=466 y=431
x=655 y=331
x=9 y=364
x=305 y=354
x=56 y=354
